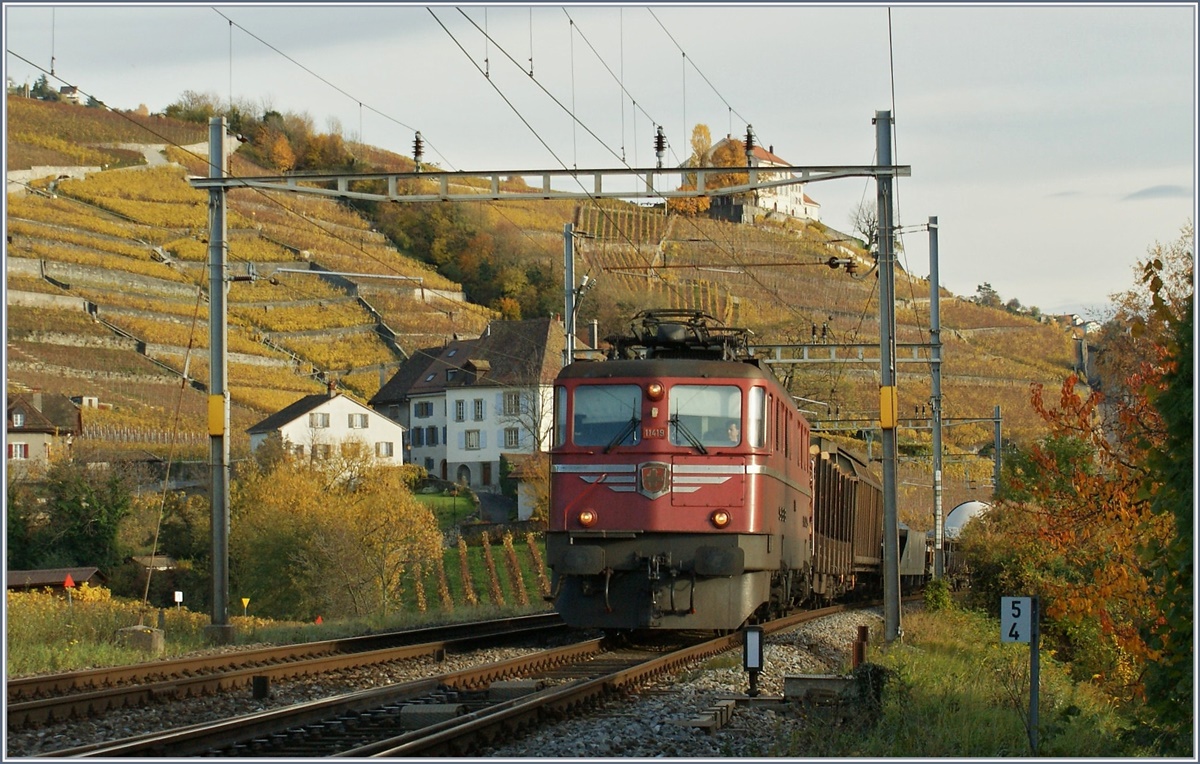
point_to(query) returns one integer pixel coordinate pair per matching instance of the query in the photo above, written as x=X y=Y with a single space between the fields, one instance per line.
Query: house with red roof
x=788 y=200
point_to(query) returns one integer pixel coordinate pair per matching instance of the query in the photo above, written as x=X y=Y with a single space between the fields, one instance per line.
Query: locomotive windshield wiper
x=623 y=434
x=687 y=434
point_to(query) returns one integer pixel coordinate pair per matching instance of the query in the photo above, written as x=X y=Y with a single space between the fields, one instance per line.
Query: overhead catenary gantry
x=496 y=185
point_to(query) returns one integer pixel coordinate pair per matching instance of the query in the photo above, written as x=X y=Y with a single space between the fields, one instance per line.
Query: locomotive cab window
x=706 y=414
x=756 y=418
x=607 y=415
x=560 y=416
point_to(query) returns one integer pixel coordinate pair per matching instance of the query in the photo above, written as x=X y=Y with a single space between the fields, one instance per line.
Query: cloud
x=1160 y=192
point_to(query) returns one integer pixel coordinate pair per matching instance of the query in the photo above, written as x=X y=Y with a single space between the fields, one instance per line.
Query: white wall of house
x=787 y=199
x=525 y=501
x=340 y=420
x=427 y=432
x=479 y=428
x=29 y=452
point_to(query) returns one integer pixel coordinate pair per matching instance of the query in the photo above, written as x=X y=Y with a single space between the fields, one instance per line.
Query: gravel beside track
x=651 y=723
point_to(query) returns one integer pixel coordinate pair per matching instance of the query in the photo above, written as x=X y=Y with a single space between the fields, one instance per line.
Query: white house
x=472 y=400
x=788 y=199
x=316 y=424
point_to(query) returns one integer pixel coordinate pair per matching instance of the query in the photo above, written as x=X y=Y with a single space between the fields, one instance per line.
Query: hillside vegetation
x=108 y=293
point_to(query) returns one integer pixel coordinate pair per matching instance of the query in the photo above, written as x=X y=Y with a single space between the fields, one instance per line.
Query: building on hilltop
x=70 y=94
x=470 y=401
x=316 y=424
x=789 y=200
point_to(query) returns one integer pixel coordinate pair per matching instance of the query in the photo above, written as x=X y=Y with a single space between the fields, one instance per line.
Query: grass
x=49 y=633
x=447 y=508
x=954 y=690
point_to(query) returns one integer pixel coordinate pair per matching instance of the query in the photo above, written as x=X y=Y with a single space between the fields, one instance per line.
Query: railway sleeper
x=713 y=718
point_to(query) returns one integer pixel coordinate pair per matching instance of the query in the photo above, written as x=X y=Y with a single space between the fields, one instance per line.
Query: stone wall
x=17 y=178
x=74 y=273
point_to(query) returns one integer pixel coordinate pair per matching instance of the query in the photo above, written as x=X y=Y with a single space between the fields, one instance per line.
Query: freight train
x=689 y=493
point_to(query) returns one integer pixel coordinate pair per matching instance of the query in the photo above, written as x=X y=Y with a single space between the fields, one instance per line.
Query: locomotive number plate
x=654 y=433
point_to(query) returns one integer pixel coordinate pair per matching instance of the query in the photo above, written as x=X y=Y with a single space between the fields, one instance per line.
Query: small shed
x=526 y=469
x=53 y=578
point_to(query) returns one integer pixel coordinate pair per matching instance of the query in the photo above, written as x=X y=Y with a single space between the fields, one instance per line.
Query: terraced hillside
x=106 y=285
x=106 y=288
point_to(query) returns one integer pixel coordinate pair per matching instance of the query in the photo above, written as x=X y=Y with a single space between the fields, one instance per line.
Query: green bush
x=937 y=595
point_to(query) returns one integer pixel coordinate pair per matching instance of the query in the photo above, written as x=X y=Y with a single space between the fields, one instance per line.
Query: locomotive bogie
x=660 y=581
x=661 y=554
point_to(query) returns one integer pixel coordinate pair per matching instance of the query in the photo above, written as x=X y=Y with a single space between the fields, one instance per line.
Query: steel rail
x=201 y=738
x=205 y=676
x=461 y=736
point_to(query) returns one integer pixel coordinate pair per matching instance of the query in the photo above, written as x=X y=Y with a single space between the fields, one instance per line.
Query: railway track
x=45 y=699
x=453 y=714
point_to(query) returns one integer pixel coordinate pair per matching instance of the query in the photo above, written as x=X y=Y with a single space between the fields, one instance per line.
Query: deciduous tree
x=1091 y=519
x=338 y=537
x=71 y=518
x=1170 y=678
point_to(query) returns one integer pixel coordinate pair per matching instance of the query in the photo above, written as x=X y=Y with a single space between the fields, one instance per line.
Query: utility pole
x=569 y=292
x=935 y=338
x=996 y=461
x=888 y=398
x=220 y=630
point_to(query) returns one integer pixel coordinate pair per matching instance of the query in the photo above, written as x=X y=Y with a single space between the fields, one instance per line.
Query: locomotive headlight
x=720 y=518
x=587 y=518
x=654 y=391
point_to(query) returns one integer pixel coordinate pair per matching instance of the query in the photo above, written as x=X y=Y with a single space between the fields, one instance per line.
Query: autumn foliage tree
x=339 y=538
x=1170 y=483
x=1089 y=517
x=701 y=148
x=729 y=153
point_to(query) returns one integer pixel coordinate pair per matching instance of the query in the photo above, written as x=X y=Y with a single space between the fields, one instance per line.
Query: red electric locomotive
x=681 y=487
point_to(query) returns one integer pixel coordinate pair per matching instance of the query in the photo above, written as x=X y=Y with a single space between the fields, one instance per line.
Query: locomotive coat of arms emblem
x=655 y=479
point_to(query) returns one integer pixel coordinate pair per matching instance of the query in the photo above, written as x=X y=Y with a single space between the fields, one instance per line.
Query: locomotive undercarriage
x=632 y=581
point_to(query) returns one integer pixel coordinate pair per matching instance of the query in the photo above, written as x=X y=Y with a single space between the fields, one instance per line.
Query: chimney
x=594 y=334
x=771 y=149
x=37 y=400
x=332 y=387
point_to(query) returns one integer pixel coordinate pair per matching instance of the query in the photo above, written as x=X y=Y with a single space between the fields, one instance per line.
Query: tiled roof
x=290 y=413
x=508 y=353
x=19 y=579
x=764 y=155
x=45 y=412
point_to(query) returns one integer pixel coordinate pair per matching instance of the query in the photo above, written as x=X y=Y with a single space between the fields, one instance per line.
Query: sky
x=1054 y=143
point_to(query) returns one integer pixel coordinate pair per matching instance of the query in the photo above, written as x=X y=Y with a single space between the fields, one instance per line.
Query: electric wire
x=353 y=99
x=172 y=442
x=526 y=122
x=782 y=302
